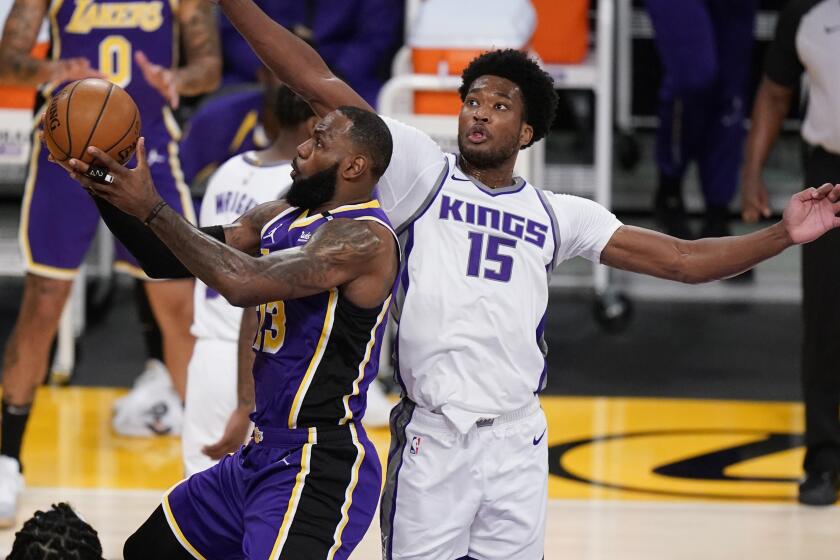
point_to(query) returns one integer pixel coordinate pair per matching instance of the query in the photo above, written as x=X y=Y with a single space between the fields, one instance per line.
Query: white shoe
x=154 y=374
x=11 y=485
x=152 y=407
x=378 y=411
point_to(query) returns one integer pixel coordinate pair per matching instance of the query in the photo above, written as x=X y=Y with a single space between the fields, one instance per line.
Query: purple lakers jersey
x=109 y=33
x=315 y=356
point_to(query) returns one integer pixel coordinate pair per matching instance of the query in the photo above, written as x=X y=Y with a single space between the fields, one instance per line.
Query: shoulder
x=348 y=238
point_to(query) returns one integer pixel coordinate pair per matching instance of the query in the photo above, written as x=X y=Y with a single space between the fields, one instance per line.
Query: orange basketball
x=91 y=112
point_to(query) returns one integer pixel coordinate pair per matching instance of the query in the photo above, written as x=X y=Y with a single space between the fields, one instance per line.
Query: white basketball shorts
x=481 y=495
x=211 y=398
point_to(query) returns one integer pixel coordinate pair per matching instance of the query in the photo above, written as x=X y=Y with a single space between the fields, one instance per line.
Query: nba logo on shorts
x=415 y=446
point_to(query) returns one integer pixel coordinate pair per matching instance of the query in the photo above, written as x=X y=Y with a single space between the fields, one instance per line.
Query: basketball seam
x=69 y=151
x=49 y=132
x=115 y=144
x=98 y=118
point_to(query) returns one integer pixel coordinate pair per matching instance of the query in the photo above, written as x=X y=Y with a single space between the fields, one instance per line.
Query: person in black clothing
x=807 y=40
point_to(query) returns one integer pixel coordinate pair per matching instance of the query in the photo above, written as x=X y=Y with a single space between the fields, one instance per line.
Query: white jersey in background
x=238 y=185
x=474 y=288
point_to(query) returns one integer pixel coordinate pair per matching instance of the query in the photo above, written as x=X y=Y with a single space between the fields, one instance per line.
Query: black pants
x=821 y=332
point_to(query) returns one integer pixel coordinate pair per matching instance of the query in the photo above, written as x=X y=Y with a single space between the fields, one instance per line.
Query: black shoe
x=819 y=488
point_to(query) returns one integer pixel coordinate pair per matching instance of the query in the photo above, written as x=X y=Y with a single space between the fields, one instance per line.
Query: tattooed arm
x=203 y=71
x=17 y=66
x=359 y=257
x=354 y=255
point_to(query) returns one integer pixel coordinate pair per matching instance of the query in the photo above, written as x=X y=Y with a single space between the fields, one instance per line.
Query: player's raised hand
x=236 y=430
x=160 y=78
x=812 y=212
x=130 y=190
x=72 y=69
x=755 y=202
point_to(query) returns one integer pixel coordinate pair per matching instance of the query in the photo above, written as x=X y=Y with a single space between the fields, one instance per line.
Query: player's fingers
x=78 y=166
x=806 y=195
x=749 y=215
x=85 y=181
x=107 y=161
x=141 y=59
x=142 y=162
x=834 y=195
x=824 y=190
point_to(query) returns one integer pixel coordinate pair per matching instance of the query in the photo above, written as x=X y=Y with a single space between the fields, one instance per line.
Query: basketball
x=91 y=112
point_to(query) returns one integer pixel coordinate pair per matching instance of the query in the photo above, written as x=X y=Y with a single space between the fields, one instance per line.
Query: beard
x=488 y=159
x=313 y=191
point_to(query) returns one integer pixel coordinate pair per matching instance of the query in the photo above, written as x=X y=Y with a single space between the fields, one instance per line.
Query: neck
x=494 y=177
x=333 y=204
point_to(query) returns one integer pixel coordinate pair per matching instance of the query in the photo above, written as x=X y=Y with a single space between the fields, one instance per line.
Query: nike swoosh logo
x=539 y=439
x=832 y=28
x=454 y=178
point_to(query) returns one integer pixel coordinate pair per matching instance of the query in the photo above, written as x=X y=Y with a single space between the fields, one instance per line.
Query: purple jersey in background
x=357 y=39
x=108 y=33
x=316 y=355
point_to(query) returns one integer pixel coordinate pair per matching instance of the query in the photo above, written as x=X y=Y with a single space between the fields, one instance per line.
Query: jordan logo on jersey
x=493 y=218
x=89 y=14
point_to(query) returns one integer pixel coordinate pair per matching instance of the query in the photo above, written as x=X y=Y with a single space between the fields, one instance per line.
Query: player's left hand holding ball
x=130 y=190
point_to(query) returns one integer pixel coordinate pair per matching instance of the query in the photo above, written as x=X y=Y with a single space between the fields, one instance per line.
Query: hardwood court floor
x=631 y=478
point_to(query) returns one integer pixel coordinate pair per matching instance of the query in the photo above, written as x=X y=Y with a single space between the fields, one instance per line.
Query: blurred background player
x=806 y=43
x=705 y=47
x=135 y=45
x=217 y=409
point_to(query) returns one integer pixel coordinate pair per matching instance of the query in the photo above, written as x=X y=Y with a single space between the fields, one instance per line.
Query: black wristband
x=153 y=214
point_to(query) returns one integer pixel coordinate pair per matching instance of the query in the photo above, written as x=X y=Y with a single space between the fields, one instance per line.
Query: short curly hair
x=536 y=85
x=57 y=534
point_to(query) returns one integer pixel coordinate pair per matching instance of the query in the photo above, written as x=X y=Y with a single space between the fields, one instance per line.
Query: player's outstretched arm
x=291 y=59
x=808 y=215
x=18 y=67
x=359 y=256
x=153 y=255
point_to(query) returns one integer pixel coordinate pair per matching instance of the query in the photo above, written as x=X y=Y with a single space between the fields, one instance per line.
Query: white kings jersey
x=473 y=290
x=241 y=183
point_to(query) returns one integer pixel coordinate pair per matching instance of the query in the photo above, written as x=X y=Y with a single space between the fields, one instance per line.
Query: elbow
x=214 y=75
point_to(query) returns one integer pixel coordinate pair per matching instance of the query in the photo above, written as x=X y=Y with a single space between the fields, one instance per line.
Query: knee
x=45 y=297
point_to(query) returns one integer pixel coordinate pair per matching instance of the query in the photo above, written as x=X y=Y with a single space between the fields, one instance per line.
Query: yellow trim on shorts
x=348 y=494
x=29 y=264
x=348 y=414
x=297 y=490
x=187 y=208
x=245 y=128
x=316 y=358
x=173 y=524
x=126 y=267
x=305 y=219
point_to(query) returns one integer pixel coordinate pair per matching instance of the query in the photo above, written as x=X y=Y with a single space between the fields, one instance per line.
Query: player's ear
x=309 y=124
x=355 y=167
x=526 y=134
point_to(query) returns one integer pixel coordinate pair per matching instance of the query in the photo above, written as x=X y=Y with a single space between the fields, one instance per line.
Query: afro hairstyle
x=536 y=85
